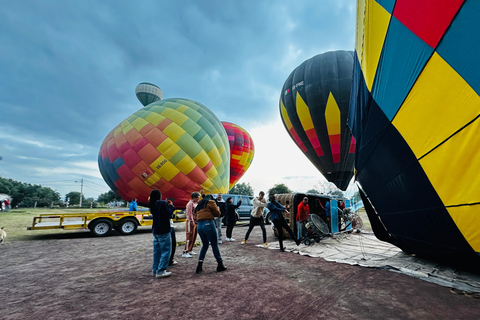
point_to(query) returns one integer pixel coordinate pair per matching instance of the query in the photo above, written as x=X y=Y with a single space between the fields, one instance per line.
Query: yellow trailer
x=100 y=223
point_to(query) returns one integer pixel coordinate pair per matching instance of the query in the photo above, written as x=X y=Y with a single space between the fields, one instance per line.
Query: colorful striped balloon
x=241 y=151
x=314 y=109
x=177 y=146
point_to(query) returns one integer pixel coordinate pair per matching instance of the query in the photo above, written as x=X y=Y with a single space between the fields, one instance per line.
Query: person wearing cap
x=303 y=211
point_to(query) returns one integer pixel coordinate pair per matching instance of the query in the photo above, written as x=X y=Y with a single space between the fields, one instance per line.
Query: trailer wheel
x=127 y=226
x=267 y=219
x=101 y=227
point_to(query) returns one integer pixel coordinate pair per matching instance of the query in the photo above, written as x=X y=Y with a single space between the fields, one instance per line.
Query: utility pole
x=81 y=192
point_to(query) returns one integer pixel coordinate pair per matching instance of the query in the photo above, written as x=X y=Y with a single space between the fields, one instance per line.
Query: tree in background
x=242 y=188
x=29 y=195
x=108 y=197
x=74 y=198
x=314 y=191
x=279 y=188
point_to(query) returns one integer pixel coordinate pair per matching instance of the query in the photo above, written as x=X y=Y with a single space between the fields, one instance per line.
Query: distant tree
x=29 y=195
x=108 y=197
x=74 y=198
x=337 y=193
x=242 y=188
x=356 y=197
x=314 y=191
x=279 y=188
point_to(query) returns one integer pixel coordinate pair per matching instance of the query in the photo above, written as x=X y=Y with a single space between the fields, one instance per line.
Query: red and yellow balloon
x=242 y=151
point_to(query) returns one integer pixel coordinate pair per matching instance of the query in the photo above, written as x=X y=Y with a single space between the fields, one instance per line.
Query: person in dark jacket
x=231 y=217
x=222 y=206
x=162 y=213
x=206 y=212
x=278 y=220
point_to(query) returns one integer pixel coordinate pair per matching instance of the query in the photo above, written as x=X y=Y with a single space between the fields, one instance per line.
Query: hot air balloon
x=177 y=146
x=314 y=106
x=148 y=92
x=415 y=115
x=241 y=151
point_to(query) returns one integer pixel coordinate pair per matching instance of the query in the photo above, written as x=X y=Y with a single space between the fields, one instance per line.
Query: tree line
x=33 y=195
x=27 y=195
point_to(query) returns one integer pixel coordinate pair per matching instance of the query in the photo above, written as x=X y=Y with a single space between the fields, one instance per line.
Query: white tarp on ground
x=365 y=250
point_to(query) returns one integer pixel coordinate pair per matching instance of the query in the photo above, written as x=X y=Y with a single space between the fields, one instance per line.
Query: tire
x=307 y=242
x=267 y=219
x=101 y=227
x=127 y=226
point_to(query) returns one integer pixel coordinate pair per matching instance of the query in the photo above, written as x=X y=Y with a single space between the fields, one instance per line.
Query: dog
x=3 y=235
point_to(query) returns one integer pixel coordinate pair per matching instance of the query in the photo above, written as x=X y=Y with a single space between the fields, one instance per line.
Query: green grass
x=16 y=221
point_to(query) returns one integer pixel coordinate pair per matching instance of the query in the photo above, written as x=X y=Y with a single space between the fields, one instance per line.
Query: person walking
x=276 y=214
x=222 y=206
x=231 y=216
x=256 y=218
x=190 y=225
x=303 y=211
x=161 y=211
x=207 y=210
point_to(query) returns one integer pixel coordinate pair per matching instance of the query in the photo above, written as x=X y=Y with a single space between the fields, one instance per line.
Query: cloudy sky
x=69 y=71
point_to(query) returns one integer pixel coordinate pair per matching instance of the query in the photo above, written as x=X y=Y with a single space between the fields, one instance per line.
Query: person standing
x=303 y=211
x=222 y=206
x=191 y=225
x=162 y=213
x=278 y=220
x=133 y=205
x=207 y=210
x=256 y=217
x=231 y=217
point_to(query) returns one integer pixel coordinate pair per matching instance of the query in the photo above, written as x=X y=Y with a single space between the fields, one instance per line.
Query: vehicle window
x=246 y=201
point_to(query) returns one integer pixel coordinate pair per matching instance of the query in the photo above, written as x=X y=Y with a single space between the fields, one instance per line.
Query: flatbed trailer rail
x=99 y=223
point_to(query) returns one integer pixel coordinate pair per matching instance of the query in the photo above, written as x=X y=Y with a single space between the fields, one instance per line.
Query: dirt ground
x=74 y=275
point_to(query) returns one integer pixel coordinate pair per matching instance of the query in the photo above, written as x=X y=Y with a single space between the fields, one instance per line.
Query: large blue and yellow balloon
x=177 y=146
x=415 y=115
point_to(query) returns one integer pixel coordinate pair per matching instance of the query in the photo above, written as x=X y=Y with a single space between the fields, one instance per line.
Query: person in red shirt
x=303 y=211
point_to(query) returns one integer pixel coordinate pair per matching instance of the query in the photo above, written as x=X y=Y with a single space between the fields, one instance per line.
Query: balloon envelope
x=241 y=151
x=148 y=92
x=177 y=146
x=415 y=116
x=314 y=106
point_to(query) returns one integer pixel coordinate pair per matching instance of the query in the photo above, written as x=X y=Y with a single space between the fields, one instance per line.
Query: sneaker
x=154 y=273
x=231 y=239
x=227 y=239
x=243 y=241
x=191 y=252
x=172 y=263
x=265 y=245
x=163 y=274
x=186 y=255
x=219 y=241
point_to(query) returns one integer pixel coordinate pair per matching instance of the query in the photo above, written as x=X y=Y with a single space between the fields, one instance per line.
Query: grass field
x=16 y=221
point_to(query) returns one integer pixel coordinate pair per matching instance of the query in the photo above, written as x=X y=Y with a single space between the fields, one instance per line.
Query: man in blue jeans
x=162 y=213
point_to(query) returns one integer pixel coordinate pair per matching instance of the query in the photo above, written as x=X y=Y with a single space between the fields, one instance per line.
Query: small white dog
x=3 y=235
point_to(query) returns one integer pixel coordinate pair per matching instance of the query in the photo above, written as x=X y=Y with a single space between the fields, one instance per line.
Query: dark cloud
x=69 y=68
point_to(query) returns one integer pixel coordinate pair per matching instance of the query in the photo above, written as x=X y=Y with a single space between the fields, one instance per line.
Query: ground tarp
x=364 y=249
